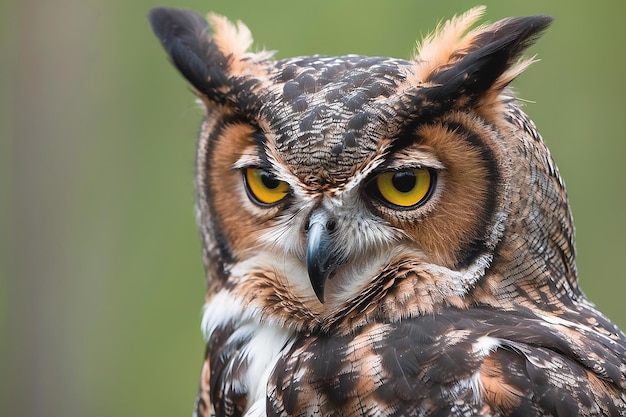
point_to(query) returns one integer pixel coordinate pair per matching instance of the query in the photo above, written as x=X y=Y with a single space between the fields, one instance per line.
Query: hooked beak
x=321 y=260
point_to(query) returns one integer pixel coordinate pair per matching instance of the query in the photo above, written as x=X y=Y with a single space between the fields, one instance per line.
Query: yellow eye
x=404 y=189
x=263 y=187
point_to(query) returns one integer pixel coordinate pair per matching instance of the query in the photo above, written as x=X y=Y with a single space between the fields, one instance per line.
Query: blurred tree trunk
x=50 y=129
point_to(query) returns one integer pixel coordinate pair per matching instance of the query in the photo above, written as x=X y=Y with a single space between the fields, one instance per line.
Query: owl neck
x=535 y=260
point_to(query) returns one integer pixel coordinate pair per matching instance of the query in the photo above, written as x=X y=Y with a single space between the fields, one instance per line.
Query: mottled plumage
x=386 y=237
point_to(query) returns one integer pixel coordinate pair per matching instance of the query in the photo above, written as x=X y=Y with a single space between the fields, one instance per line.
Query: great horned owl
x=386 y=237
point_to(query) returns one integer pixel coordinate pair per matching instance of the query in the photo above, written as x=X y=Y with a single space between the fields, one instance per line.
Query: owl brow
x=409 y=158
x=251 y=157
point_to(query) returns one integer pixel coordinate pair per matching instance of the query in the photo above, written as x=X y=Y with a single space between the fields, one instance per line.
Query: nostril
x=320 y=219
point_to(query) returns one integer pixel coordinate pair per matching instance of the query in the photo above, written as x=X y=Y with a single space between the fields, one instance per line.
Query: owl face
x=324 y=171
x=327 y=234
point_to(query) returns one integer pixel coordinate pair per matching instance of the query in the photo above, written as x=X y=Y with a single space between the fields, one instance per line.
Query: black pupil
x=404 y=181
x=269 y=181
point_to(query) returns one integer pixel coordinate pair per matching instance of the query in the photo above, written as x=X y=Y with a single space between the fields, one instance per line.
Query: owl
x=386 y=237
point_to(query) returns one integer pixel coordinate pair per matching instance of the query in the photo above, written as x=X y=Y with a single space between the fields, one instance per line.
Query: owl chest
x=262 y=371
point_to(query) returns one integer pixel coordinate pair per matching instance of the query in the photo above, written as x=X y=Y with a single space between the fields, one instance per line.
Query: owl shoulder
x=480 y=361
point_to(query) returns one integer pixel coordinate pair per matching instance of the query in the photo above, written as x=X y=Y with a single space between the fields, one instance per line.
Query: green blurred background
x=102 y=283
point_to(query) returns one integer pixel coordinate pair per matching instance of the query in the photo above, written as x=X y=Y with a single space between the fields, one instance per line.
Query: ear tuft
x=185 y=37
x=230 y=38
x=448 y=40
x=213 y=58
x=484 y=59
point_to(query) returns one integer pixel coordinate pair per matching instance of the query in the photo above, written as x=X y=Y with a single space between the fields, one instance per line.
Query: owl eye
x=404 y=189
x=263 y=187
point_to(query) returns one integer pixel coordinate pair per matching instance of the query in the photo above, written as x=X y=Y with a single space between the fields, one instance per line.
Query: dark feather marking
x=226 y=372
x=358 y=121
x=291 y=90
x=477 y=245
x=223 y=247
x=308 y=83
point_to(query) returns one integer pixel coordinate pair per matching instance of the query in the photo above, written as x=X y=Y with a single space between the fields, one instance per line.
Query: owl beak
x=320 y=259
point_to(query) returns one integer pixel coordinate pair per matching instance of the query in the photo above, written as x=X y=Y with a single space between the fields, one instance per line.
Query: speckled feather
x=466 y=304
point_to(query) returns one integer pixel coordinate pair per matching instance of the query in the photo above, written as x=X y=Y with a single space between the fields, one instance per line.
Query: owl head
x=355 y=186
